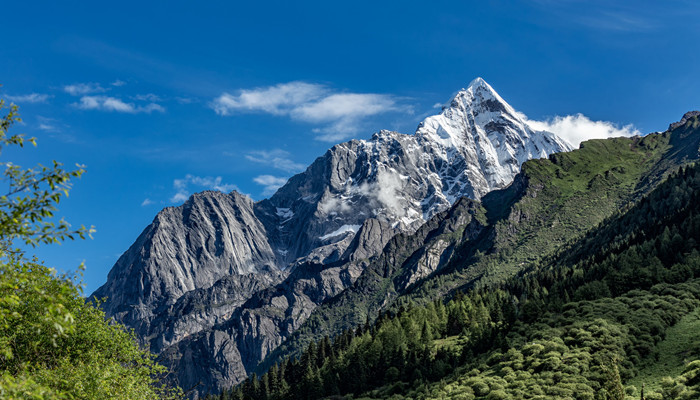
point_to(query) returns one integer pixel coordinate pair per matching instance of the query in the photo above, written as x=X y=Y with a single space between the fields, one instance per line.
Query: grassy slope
x=561 y=199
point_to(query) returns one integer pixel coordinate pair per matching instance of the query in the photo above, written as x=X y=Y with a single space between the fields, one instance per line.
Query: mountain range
x=216 y=284
x=222 y=287
x=604 y=309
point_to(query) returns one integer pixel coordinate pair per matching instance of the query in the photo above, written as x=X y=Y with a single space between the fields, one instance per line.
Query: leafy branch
x=33 y=195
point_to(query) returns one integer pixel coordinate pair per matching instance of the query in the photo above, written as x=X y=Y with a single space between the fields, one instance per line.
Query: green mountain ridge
x=551 y=203
x=573 y=275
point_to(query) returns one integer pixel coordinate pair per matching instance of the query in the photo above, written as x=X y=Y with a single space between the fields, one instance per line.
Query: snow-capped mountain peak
x=483 y=132
x=475 y=145
x=348 y=203
x=480 y=97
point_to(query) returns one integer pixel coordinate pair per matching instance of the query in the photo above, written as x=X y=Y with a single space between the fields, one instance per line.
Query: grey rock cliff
x=406 y=259
x=226 y=353
x=211 y=236
x=686 y=117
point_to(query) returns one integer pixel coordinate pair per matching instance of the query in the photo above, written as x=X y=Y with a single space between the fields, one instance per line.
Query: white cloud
x=342 y=112
x=106 y=103
x=179 y=197
x=389 y=188
x=79 y=89
x=276 y=158
x=578 y=128
x=118 y=83
x=280 y=99
x=183 y=186
x=29 y=98
x=385 y=193
x=270 y=183
x=48 y=124
x=146 y=202
x=344 y=105
x=333 y=204
x=147 y=97
x=339 y=113
x=56 y=129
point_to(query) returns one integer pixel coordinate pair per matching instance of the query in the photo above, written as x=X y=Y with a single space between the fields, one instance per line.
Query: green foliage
x=33 y=195
x=678 y=346
x=54 y=345
x=53 y=340
x=684 y=387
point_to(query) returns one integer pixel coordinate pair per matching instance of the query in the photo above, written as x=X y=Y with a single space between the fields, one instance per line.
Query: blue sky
x=163 y=99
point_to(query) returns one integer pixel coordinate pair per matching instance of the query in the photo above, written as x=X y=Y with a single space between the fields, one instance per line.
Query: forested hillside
x=551 y=204
x=584 y=318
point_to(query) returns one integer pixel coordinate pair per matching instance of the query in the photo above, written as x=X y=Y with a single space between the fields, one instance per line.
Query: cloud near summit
x=184 y=186
x=338 y=113
x=578 y=128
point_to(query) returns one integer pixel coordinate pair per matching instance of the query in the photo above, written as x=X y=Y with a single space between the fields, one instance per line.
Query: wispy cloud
x=29 y=98
x=280 y=99
x=339 y=113
x=276 y=158
x=342 y=112
x=107 y=103
x=618 y=21
x=147 y=97
x=184 y=186
x=48 y=124
x=147 y=202
x=119 y=83
x=617 y=17
x=142 y=67
x=79 y=89
x=270 y=183
x=55 y=129
x=578 y=128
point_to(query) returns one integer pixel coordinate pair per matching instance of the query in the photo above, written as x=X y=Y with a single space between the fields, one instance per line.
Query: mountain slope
x=551 y=203
x=577 y=324
x=472 y=147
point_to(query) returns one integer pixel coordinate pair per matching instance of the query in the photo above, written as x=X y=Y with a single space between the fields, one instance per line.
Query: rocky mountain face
x=211 y=236
x=225 y=353
x=216 y=284
x=475 y=145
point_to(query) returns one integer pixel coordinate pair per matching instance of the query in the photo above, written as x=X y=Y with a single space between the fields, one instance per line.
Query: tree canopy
x=54 y=344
